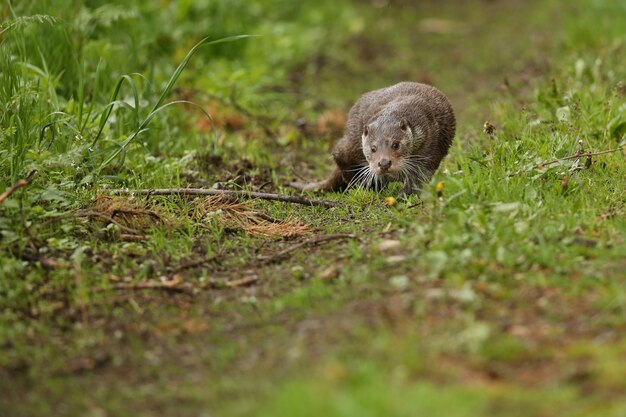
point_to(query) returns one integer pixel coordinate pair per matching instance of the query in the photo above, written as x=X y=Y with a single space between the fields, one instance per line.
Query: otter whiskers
x=411 y=167
x=361 y=174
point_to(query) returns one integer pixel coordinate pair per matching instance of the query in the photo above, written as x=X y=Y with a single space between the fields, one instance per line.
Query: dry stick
x=165 y=286
x=240 y=193
x=313 y=241
x=196 y=263
x=222 y=284
x=19 y=184
x=132 y=238
x=242 y=282
x=146 y=286
x=109 y=219
x=136 y=212
x=566 y=158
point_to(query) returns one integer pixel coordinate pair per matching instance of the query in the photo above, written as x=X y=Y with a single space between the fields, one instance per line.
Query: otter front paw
x=402 y=196
x=410 y=188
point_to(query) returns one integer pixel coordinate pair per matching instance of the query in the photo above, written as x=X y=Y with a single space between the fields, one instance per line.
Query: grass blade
x=158 y=106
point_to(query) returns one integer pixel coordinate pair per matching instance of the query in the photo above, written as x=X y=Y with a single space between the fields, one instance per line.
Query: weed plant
x=505 y=293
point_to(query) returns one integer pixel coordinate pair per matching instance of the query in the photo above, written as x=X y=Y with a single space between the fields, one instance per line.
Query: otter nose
x=384 y=164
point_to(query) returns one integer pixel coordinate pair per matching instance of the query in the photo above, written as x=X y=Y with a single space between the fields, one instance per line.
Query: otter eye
x=395 y=146
x=373 y=149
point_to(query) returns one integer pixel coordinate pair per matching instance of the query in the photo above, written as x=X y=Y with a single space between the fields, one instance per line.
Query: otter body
x=398 y=133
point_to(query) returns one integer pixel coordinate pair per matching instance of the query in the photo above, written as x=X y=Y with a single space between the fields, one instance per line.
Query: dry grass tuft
x=236 y=215
x=128 y=212
x=229 y=212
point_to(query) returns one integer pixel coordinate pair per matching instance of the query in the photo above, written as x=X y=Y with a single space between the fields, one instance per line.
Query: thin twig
x=107 y=218
x=567 y=158
x=164 y=286
x=313 y=241
x=196 y=263
x=241 y=282
x=186 y=289
x=132 y=238
x=266 y=217
x=136 y=212
x=19 y=184
x=239 y=193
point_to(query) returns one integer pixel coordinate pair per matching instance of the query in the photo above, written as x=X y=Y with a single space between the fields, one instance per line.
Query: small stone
x=464 y=294
x=297 y=271
x=395 y=259
x=248 y=299
x=434 y=293
x=520 y=331
x=399 y=281
x=329 y=274
x=387 y=245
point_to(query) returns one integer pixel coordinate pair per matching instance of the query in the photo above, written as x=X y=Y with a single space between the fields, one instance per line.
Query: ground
x=499 y=291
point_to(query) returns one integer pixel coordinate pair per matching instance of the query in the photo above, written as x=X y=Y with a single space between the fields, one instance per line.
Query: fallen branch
x=567 y=158
x=126 y=237
x=313 y=241
x=238 y=193
x=173 y=285
x=19 y=184
x=196 y=263
x=242 y=282
x=164 y=286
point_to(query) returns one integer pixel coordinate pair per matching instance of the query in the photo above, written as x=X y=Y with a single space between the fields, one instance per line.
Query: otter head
x=387 y=143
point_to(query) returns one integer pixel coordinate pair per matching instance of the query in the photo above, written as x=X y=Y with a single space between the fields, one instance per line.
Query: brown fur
x=400 y=133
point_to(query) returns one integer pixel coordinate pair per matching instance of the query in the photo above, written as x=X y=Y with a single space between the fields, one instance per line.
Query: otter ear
x=366 y=131
x=404 y=125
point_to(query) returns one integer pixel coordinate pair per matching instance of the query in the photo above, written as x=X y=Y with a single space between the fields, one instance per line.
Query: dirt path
x=475 y=51
x=175 y=354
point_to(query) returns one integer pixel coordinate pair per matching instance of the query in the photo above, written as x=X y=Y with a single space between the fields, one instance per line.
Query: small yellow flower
x=439 y=188
x=391 y=201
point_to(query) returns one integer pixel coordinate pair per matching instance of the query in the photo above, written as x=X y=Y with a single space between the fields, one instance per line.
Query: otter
x=398 y=133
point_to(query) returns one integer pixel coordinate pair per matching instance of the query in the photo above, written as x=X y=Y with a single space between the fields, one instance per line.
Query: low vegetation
x=499 y=291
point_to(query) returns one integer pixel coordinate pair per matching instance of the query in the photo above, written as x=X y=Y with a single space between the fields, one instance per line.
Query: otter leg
x=414 y=185
x=409 y=188
x=336 y=181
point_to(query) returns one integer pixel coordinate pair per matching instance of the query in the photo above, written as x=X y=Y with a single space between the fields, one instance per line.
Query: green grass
x=506 y=295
